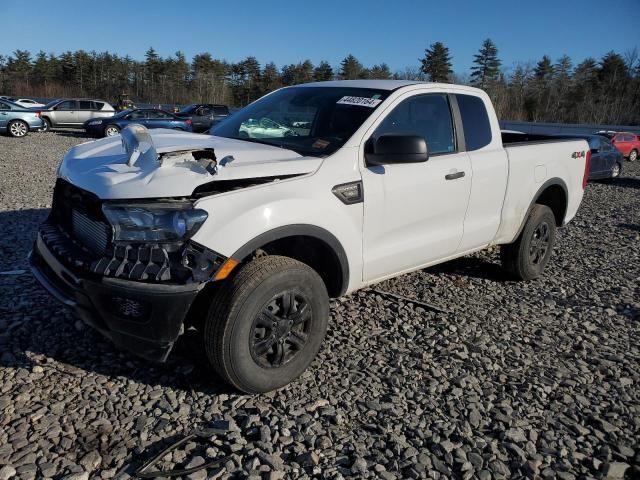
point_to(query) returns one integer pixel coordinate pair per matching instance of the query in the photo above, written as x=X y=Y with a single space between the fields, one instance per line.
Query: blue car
x=17 y=120
x=150 y=118
x=606 y=161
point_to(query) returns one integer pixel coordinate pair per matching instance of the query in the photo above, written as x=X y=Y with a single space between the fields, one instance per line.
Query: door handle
x=453 y=176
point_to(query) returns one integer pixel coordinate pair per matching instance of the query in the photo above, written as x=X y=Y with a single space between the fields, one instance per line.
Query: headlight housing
x=157 y=223
x=95 y=122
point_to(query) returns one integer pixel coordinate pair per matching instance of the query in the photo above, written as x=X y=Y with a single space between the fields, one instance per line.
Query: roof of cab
x=387 y=84
x=376 y=84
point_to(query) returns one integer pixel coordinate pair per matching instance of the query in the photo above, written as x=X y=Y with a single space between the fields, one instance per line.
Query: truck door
x=414 y=212
x=490 y=166
x=202 y=119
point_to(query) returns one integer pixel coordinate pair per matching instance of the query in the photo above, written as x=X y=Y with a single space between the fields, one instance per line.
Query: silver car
x=73 y=112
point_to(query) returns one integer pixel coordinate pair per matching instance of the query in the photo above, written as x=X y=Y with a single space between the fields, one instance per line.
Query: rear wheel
x=18 y=128
x=111 y=130
x=633 y=155
x=615 y=171
x=266 y=324
x=527 y=257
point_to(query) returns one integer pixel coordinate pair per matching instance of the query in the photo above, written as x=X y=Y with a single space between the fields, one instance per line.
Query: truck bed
x=545 y=159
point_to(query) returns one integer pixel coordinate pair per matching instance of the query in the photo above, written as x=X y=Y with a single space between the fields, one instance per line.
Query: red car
x=628 y=144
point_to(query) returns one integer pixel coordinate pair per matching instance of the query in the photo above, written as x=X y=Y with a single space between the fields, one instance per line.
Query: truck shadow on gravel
x=472 y=267
x=36 y=330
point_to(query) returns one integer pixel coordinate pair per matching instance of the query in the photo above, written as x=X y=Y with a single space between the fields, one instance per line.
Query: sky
x=396 y=32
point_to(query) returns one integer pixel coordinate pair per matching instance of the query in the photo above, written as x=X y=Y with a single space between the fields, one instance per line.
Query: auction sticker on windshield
x=361 y=101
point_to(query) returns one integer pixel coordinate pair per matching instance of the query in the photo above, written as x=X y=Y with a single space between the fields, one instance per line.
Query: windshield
x=309 y=120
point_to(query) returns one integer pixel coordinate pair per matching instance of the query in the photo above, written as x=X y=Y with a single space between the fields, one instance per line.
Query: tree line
x=605 y=90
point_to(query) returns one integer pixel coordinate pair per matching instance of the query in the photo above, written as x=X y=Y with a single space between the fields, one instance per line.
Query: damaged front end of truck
x=116 y=247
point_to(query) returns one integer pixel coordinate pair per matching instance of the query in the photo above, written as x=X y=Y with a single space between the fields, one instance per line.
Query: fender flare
x=549 y=183
x=305 y=230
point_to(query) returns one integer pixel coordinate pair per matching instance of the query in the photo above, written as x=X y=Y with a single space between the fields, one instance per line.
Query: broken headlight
x=160 y=223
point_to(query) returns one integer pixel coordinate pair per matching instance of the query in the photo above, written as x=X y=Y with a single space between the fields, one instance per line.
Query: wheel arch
x=554 y=194
x=310 y=244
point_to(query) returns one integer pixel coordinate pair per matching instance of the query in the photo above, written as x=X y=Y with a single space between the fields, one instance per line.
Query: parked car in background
x=628 y=144
x=606 y=133
x=150 y=118
x=606 y=161
x=73 y=112
x=204 y=115
x=17 y=121
x=27 y=102
x=264 y=128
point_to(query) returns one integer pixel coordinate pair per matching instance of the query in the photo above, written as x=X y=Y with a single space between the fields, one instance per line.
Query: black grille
x=94 y=235
x=79 y=213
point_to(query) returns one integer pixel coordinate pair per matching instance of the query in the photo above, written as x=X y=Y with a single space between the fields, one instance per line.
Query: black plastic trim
x=457 y=123
x=299 y=230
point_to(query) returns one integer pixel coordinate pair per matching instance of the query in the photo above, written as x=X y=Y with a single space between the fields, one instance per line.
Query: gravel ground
x=519 y=380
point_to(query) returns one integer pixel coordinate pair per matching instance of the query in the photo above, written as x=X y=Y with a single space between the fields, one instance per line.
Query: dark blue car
x=150 y=118
x=606 y=161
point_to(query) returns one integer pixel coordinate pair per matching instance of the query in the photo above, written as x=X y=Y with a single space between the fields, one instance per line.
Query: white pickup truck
x=310 y=192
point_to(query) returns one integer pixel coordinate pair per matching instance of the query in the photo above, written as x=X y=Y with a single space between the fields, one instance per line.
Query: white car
x=28 y=103
x=245 y=239
x=264 y=128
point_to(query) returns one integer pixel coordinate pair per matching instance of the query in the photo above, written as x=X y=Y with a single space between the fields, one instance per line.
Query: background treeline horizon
x=605 y=90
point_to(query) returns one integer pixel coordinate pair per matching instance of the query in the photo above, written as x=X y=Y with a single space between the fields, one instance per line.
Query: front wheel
x=46 y=125
x=527 y=257
x=111 y=130
x=266 y=324
x=633 y=155
x=18 y=128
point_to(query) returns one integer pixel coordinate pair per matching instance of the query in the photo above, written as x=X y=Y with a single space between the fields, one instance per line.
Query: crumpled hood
x=102 y=166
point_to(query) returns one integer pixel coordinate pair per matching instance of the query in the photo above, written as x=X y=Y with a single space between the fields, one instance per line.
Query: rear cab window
x=475 y=122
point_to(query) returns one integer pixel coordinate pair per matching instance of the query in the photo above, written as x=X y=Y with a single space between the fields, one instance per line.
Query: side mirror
x=388 y=149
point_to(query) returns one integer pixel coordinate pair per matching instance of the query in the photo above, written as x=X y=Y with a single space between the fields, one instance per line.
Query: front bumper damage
x=145 y=318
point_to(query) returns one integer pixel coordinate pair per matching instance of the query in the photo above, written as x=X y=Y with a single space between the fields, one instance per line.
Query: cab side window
x=428 y=116
x=475 y=122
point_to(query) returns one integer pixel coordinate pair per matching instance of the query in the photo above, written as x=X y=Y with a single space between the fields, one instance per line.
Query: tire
x=633 y=155
x=526 y=258
x=111 y=130
x=18 y=128
x=249 y=337
x=47 y=125
x=616 y=171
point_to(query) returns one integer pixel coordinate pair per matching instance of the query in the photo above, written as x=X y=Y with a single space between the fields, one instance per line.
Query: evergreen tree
x=544 y=70
x=436 y=64
x=323 y=72
x=487 y=65
x=270 y=78
x=381 y=72
x=350 y=68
